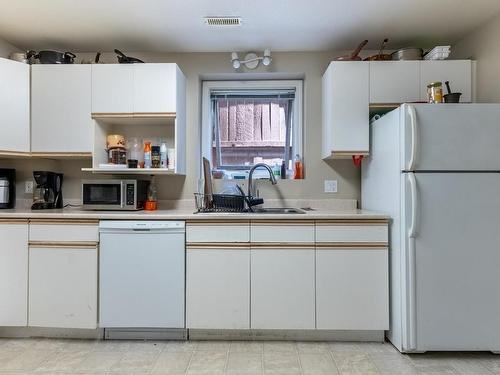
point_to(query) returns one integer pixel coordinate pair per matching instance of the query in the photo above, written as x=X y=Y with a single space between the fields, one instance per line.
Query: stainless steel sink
x=278 y=210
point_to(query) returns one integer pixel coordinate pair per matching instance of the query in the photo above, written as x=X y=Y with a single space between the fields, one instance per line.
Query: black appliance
x=7 y=188
x=48 y=191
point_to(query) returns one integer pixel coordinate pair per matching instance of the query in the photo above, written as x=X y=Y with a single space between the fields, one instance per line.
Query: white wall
x=196 y=66
x=6 y=48
x=482 y=45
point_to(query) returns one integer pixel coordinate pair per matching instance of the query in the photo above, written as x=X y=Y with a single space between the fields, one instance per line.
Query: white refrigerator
x=435 y=168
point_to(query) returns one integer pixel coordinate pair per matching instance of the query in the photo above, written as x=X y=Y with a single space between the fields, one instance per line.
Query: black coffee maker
x=48 y=191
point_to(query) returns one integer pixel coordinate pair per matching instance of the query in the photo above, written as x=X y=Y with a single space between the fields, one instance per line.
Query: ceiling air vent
x=223 y=21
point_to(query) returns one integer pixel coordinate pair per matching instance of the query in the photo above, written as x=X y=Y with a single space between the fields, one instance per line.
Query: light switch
x=330 y=186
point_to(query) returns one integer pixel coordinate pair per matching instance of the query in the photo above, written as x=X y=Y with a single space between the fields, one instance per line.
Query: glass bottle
x=152 y=197
x=147 y=154
x=298 y=173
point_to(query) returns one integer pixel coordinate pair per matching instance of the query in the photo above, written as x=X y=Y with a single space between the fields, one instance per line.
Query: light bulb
x=235 y=60
x=266 y=60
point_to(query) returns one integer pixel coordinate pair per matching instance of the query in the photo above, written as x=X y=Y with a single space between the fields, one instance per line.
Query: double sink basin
x=278 y=210
x=270 y=210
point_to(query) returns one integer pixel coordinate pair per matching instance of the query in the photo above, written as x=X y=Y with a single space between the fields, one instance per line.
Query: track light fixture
x=252 y=60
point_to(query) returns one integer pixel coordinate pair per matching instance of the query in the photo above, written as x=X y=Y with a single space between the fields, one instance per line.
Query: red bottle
x=298 y=170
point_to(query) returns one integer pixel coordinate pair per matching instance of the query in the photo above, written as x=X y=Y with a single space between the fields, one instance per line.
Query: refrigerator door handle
x=412 y=231
x=414 y=138
x=411 y=324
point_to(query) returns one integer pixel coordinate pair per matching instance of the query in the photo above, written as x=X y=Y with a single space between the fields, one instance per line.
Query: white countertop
x=182 y=214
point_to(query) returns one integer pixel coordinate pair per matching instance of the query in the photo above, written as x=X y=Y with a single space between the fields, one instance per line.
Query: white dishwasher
x=142 y=278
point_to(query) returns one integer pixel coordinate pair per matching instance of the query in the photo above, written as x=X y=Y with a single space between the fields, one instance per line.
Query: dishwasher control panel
x=141 y=225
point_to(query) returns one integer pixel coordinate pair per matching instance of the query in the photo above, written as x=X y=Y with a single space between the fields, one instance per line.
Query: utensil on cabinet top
x=124 y=59
x=24 y=57
x=55 y=57
x=380 y=56
x=354 y=55
x=408 y=53
x=451 y=97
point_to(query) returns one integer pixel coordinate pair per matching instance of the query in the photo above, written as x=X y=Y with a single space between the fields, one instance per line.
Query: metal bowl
x=409 y=53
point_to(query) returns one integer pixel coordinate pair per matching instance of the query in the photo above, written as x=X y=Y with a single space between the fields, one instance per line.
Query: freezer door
x=452 y=262
x=457 y=137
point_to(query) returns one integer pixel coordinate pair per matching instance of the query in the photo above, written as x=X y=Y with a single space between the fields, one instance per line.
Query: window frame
x=297 y=110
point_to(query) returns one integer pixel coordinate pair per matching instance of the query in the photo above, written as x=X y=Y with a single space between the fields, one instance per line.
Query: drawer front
x=351 y=232
x=207 y=232
x=53 y=231
x=292 y=231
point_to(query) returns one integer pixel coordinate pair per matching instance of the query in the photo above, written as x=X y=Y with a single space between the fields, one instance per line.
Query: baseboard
x=285 y=335
x=145 y=334
x=67 y=333
x=193 y=334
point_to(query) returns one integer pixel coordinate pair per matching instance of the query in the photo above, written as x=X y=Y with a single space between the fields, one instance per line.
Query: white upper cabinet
x=112 y=88
x=60 y=108
x=394 y=81
x=136 y=88
x=14 y=106
x=458 y=72
x=345 y=111
x=155 y=88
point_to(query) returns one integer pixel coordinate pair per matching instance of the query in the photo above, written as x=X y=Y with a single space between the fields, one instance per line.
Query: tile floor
x=50 y=356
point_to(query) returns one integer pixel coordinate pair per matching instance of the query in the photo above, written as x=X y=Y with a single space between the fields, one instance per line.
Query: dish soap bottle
x=298 y=173
x=152 y=197
x=283 y=170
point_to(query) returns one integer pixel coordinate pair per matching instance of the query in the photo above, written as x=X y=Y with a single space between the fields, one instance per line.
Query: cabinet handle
x=64 y=245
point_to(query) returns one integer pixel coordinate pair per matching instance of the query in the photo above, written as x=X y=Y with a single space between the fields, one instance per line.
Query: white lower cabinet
x=13 y=272
x=282 y=287
x=352 y=288
x=218 y=287
x=63 y=286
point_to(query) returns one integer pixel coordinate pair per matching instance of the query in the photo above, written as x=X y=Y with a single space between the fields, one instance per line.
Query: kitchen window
x=249 y=122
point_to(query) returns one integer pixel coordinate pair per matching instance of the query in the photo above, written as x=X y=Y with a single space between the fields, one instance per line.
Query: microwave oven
x=115 y=194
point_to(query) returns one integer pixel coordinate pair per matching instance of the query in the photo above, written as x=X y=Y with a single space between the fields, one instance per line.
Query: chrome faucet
x=251 y=189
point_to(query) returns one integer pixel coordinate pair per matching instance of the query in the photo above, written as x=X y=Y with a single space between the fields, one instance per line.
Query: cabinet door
x=60 y=108
x=218 y=287
x=14 y=106
x=155 y=88
x=394 y=81
x=282 y=287
x=458 y=72
x=345 y=109
x=13 y=273
x=112 y=88
x=352 y=288
x=63 y=286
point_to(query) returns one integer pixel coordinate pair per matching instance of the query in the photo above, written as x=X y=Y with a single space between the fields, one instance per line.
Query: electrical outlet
x=28 y=187
x=330 y=186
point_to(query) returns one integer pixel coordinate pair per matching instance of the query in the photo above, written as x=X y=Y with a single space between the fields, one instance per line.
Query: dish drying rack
x=219 y=202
